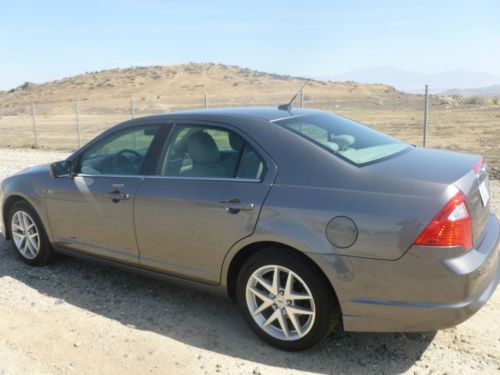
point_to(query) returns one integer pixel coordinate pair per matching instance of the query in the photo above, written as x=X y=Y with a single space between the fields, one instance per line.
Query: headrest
x=343 y=141
x=202 y=148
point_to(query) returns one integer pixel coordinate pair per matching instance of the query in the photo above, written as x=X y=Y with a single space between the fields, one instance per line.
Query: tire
x=315 y=316
x=36 y=252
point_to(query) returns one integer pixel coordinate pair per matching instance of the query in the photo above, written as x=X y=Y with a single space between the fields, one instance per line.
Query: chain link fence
x=469 y=124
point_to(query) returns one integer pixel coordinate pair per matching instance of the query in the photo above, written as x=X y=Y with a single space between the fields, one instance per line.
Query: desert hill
x=185 y=85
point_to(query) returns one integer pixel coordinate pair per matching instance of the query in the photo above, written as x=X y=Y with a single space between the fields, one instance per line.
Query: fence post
x=132 y=114
x=302 y=98
x=426 y=112
x=77 y=114
x=35 y=133
x=206 y=100
x=132 y=107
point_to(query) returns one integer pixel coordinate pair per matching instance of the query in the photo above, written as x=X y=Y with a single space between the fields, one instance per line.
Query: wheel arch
x=242 y=255
x=7 y=206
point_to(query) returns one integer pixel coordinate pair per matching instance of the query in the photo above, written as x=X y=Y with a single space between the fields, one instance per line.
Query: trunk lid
x=444 y=168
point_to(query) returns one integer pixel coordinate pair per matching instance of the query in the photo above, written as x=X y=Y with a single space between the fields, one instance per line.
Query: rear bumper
x=427 y=289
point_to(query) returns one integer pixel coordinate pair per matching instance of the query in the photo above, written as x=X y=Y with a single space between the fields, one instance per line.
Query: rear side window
x=348 y=139
x=251 y=166
x=209 y=152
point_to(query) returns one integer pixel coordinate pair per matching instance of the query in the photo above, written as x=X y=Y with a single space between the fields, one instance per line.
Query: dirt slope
x=183 y=83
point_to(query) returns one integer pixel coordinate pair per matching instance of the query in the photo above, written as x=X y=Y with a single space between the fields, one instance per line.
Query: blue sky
x=45 y=40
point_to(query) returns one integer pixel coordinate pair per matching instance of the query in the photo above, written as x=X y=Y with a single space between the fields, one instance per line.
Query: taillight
x=478 y=165
x=452 y=226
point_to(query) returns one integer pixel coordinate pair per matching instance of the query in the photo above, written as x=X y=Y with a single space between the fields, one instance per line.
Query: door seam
x=133 y=220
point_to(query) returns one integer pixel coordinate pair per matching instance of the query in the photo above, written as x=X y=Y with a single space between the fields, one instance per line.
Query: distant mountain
x=493 y=90
x=414 y=82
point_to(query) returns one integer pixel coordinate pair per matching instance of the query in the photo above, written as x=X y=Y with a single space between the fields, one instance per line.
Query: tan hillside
x=182 y=84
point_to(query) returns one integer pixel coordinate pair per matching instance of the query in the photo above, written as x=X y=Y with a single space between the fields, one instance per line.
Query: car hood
x=38 y=169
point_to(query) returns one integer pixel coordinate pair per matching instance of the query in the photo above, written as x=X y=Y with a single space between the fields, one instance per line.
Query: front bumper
x=427 y=289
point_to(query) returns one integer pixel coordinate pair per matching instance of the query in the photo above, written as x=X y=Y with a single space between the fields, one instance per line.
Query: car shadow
x=204 y=320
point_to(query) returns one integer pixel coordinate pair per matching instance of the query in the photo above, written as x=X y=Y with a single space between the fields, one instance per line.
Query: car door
x=206 y=195
x=92 y=211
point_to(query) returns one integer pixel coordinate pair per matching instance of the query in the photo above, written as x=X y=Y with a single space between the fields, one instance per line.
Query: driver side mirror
x=61 y=169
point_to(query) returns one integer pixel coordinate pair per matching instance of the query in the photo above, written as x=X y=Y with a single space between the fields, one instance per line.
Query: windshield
x=348 y=139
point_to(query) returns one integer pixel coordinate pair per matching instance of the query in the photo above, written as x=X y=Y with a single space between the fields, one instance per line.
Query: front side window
x=350 y=140
x=120 y=154
x=208 y=152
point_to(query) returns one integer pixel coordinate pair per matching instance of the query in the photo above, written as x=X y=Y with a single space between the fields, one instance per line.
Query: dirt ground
x=82 y=318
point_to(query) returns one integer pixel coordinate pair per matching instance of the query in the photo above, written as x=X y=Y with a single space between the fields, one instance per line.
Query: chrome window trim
x=288 y=117
x=110 y=175
x=142 y=177
x=226 y=179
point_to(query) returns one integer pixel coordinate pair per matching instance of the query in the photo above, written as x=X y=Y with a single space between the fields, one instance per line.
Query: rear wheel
x=28 y=236
x=284 y=300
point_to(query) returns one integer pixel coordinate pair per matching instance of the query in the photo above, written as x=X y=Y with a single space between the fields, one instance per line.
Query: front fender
x=31 y=187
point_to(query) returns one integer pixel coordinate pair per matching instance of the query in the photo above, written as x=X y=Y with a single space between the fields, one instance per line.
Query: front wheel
x=284 y=300
x=28 y=236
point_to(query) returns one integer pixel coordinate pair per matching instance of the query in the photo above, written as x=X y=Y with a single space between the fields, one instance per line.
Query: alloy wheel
x=280 y=302
x=25 y=234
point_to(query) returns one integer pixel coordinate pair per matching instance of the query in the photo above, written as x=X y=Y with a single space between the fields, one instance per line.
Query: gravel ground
x=78 y=317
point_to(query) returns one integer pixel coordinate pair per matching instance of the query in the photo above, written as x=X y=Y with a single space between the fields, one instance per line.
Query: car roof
x=263 y=113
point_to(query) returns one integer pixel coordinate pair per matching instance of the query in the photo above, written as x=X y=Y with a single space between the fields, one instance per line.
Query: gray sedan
x=309 y=221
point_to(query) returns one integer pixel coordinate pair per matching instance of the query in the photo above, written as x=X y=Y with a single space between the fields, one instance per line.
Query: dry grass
x=104 y=99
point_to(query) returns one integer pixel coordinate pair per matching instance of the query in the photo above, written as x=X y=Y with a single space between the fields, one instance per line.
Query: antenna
x=288 y=106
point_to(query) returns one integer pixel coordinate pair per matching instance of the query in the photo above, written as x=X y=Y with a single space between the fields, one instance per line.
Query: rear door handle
x=235 y=206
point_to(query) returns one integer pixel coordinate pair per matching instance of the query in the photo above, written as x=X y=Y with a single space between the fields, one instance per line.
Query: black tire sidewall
x=326 y=307
x=45 y=252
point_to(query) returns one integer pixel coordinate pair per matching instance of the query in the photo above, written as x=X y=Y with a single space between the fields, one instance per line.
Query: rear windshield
x=348 y=139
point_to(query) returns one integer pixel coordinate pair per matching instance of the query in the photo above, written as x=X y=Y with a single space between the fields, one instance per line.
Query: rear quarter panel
x=387 y=223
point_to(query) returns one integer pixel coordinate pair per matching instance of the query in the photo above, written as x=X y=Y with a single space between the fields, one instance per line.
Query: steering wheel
x=122 y=159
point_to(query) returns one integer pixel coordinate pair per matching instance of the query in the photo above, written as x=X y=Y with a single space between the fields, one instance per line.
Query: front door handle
x=234 y=205
x=117 y=196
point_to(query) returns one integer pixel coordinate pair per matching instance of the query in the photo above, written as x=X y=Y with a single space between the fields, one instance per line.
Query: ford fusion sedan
x=308 y=221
